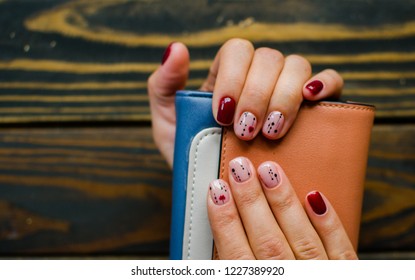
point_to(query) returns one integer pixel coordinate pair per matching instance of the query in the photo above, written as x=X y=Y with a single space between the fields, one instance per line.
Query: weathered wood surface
x=70 y=190
x=89 y=60
x=79 y=172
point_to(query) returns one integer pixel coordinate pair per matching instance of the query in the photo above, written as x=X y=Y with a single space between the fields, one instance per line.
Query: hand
x=256 y=217
x=256 y=90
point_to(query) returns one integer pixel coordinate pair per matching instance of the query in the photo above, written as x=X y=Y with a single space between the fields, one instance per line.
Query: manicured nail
x=268 y=173
x=166 y=53
x=317 y=203
x=226 y=110
x=219 y=191
x=246 y=125
x=315 y=87
x=240 y=169
x=273 y=125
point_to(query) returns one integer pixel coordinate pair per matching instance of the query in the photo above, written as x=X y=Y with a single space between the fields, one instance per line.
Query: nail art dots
x=219 y=192
x=240 y=169
x=273 y=124
x=245 y=127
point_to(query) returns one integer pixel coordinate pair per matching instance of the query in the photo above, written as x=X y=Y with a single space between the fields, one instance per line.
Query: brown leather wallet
x=326 y=150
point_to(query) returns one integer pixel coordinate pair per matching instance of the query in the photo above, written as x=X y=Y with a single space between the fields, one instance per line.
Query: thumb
x=170 y=76
x=162 y=85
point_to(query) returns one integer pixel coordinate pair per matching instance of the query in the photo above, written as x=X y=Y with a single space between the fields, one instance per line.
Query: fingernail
x=268 y=173
x=246 y=125
x=315 y=86
x=273 y=125
x=317 y=203
x=226 y=110
x=219 y=191
x=166 y=53
x=240 y=169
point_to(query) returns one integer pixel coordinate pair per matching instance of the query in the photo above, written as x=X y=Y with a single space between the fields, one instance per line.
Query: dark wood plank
x=388 y=221
x=82 y=191
x=87 y=60
x=107 y=190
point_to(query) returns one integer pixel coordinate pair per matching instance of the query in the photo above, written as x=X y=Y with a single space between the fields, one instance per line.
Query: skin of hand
x=256 y=91
x=256 y=216
x=252 y=88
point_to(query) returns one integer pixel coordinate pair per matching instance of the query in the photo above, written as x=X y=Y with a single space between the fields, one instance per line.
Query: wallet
x=326 y=149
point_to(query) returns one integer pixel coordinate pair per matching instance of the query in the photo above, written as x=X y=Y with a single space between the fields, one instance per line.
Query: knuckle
x=257 y=92
x=270 y=248
x=239 y=43
x=300 y=62
x=306 y=249
x=269 y=53
x=347 y=255
x=283 y=203
x=334 y=77
x=249 y=197
x=238 y=254
x=224 y=219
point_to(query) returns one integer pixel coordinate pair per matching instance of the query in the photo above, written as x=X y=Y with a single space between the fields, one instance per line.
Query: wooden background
x=79 y=172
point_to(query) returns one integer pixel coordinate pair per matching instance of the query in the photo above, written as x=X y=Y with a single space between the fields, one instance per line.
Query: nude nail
x=245 y=127
x=268 y=172
x=273 y=124
x=219 y=191
x=240 y=169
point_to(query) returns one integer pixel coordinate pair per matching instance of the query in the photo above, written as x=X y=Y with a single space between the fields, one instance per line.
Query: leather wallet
x=326 y=149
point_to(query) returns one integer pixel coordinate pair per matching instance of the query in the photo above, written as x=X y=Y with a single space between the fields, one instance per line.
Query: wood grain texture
x=70 y=190
x=100 y=190
x=89 y=60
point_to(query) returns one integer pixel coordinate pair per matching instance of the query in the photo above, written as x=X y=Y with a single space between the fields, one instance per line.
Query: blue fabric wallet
x=196 y=163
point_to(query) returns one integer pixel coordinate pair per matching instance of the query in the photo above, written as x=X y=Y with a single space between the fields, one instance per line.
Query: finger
x=327 y=84
x=259 y=85
x=232 y=67
x=289 y=212
x=287 y=97
x=171 y=75
x=265 y=237
x=329 y=227
x=162 y=85
x=229 y=235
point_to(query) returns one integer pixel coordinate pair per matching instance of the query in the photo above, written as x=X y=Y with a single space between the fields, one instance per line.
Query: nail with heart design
x=219 y=191
x=245 y=127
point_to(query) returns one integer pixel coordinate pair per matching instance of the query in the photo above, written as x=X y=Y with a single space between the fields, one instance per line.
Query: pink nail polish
x=240 y=169
x=317 y=203
x=226 y=110
x=245 y=127
x=269 y=175
x=273 y=125
x=166 y=53
x=315 y=87
x=219 y=191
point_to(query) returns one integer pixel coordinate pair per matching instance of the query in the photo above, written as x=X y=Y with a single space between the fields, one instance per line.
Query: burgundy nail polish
x=226 y=110
x=315 y=87
x=166 y=53
x=317 y=203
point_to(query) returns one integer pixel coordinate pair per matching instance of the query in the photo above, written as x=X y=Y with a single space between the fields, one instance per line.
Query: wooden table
x=79 y=172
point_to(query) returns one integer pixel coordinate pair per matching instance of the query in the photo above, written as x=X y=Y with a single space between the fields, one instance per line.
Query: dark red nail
x=166 y=53
x=226 y=110
x=317 y=203
x=315 y=87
